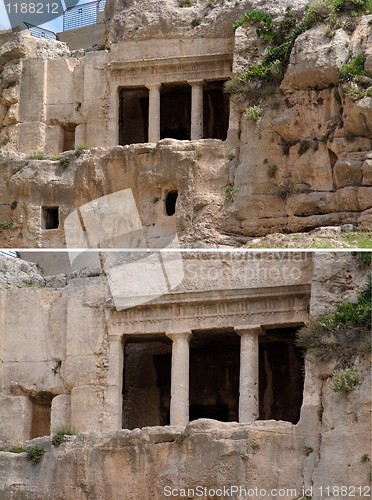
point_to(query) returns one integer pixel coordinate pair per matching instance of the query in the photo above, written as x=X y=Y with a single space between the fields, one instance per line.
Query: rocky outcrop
x=267 y=455
x=303 y=163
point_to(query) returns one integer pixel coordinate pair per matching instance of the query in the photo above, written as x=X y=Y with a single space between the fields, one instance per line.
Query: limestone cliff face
x=208 y=454
x=68 y=318
x=305 y=163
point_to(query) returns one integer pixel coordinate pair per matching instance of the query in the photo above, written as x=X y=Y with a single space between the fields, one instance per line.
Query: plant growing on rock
x=230 y=192
x=253 y=113
x=344 y=380
x=281 y=37
x=35 y=454
x=342 y=334
x=186 y=3
x=286 y=188
x=59 y=436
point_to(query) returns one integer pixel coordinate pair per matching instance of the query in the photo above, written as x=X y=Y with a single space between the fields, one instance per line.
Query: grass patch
x=360 y=239
x=38 y=156
x=16 y=449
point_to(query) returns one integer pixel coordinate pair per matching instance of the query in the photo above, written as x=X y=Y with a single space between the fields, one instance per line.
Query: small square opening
x=50 y=217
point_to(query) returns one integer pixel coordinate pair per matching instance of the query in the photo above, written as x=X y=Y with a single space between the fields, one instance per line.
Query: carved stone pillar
x=248 y=397
x=196 y=109
x=179 y=406
x=154 y=112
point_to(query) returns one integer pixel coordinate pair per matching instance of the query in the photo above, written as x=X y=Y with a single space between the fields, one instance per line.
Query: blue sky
x=55 y=25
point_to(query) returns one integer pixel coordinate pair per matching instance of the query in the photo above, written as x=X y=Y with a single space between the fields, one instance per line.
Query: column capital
x=248 y=329
x=175 y=336
x=195 y=82
x=153 y=86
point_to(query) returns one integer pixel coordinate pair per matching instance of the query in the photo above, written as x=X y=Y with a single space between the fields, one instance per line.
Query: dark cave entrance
x=281 y=382
x=147 y=381
x=216 y=106
x=175 y=111
x=41 y=408
x=133 y=115
x=214 y=375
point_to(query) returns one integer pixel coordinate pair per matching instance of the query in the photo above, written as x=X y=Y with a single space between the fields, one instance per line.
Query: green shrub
x=64 y=160
x=6 y=225
x=353 y=6
x=180 y=438
x=253 y=113
x=59 y=436
x=79 y=151
x=353 y=69
x=272 y=170
x=230 y=192
x=345 y=332
x=318 y=12
x=286 y=188
x=308 y=450
x=35 y=453
x=344 y=380
x=186 y=3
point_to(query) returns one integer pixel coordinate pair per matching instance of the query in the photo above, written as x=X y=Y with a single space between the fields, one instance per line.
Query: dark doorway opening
x=214 y=375
x=281 y=365
x=170 y=202
x=69 y=137
x=175 y=111
x=133 y=115
x=216 y=110
x=50 y=217
x=147 y=382
x=40 y=414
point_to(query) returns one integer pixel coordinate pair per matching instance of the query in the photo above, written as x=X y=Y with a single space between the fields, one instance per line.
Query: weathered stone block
x=367 y=173
x=347 y=173
x=53 y=139
x=311 y=203
x=86 y=409
x=32 y=95
x=31 y=138
x=15 y=417
x=61 y=412
x=365 y=198
x=316 y=59
x=347 y=199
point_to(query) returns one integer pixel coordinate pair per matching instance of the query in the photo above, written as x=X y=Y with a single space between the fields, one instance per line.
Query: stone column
x=248 y=394
x=196 y=109
x=179 y=406
x=113 y=397
x=154 y=112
